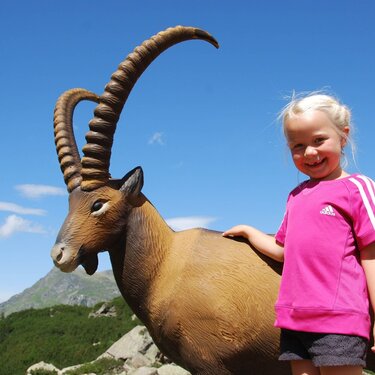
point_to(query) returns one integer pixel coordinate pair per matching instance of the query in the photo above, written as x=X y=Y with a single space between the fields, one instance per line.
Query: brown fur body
x=207 y=301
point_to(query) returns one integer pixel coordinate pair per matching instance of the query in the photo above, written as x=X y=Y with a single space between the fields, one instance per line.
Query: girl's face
x=315 y=145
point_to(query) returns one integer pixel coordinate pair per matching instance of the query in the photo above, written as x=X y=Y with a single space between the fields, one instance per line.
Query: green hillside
x=61 y=335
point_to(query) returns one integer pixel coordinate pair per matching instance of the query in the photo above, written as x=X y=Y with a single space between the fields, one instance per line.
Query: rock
x=143 y=371
x=139 y=360
x=172 y=369
x=153 y=353
x=42 y=366
x=104 y=311
x=138 y=340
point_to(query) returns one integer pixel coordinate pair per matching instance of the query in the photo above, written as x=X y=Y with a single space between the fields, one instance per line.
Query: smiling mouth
x=315 y=164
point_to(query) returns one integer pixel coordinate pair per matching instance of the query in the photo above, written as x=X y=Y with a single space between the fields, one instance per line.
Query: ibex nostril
x=59 y=257
x=60 y=254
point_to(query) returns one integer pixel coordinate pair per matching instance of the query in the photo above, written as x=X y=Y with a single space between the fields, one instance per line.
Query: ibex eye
x=97 y=206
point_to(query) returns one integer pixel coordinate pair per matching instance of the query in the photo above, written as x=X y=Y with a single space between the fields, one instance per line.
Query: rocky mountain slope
x=57 y=288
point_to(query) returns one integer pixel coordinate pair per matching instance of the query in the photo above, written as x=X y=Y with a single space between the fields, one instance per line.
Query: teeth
x=313 y=164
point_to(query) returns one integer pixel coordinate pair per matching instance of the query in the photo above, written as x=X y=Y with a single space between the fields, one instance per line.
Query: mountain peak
x=58 y=288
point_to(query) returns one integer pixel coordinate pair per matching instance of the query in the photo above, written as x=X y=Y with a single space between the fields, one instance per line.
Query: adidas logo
x=328 y=211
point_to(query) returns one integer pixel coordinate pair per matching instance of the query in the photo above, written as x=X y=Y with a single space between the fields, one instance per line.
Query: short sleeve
x=281 y=233
x=363 y=209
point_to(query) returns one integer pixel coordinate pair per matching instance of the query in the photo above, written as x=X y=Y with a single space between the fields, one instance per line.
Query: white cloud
x=14 y=224
x=15 y=208
x=37 y=191
x=156 y=138
x=188 y=222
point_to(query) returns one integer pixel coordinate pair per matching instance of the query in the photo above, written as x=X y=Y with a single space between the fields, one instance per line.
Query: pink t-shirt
x=323 y=286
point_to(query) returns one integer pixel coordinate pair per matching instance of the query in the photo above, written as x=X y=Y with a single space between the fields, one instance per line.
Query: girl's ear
x=344 y=139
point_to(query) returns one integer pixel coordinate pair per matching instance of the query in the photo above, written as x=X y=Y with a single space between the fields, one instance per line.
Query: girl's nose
x=310 y=151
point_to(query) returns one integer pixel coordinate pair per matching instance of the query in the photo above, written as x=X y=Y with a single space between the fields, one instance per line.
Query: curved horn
x=97 y=151
x=66 y=146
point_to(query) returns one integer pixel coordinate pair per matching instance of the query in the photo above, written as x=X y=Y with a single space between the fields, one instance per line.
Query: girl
x=327 y=244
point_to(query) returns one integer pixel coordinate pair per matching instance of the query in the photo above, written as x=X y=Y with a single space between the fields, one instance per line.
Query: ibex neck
x=145 y=244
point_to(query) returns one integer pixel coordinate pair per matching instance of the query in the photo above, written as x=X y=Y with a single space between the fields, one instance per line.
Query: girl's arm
x=263 y=242
x=368 y=264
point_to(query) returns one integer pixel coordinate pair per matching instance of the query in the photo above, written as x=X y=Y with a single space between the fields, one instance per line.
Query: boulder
x=42 y=366
x=138 y=340
x=172 y=369
x=106 y=310
x=139 y=360
x=143 y=371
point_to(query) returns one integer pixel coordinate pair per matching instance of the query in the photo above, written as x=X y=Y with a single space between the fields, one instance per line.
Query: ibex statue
x=206 y=300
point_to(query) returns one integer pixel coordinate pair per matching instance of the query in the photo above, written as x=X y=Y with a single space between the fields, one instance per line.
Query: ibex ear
x=132 y=182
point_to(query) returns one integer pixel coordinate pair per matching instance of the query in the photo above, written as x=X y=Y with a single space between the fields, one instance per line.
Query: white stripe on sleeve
x=366 y=202
x=370 y=186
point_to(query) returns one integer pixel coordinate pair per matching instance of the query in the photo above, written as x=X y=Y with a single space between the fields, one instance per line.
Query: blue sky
x=201 y=122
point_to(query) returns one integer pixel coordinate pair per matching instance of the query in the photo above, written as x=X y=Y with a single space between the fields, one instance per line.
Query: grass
x=100 y=367
x=63 y=336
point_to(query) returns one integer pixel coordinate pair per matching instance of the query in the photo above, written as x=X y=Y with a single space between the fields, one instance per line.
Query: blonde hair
x=339 y=114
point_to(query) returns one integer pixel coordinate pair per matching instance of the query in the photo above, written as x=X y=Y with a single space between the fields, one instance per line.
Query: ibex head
x=98 y=205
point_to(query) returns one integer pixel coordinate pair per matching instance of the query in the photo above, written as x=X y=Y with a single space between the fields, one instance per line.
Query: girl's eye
x=298 y=146
x=97 y=206
x=319 y=141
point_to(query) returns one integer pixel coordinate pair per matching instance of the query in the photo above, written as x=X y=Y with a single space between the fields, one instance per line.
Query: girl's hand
x=237 y=231
x=263 y=242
